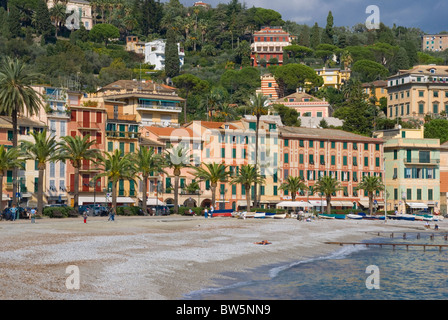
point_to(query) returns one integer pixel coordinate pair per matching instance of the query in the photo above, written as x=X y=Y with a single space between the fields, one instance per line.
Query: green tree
x=17 y=97
x=177 y=158
x=371 y=184
x=325 y=52
x=293 y=75
x=103 y=32
x=315 y=38
x=77 y=150
x=247 y=176
x=297 y=52
x=116 y=166
x=58 y=15
x=369 y=71
x=148 y=163
x=10 y=158
x=289 y=116
x=437 y=129
x=43 y=149
x=188 y=83
x=172 y=67
x=327 y=186
x=214 y=173
x=327 y=36
x=293 y=185
x=43 y=19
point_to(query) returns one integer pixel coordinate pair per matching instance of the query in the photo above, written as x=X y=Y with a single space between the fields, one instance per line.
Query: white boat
x=259 y=215
x=280 y=216
x=354 y=216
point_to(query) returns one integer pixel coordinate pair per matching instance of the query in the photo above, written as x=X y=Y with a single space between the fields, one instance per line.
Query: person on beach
x=33 y=215
x=111 y=215
x=13 y=211
x=85 y=217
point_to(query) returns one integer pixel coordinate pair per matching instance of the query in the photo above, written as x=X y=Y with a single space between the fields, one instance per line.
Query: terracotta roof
x=138 y=85
x=425 y=69
x=298 y=97
x=332 y=134
x=6 y=122
x=378 y=84
x=168 y=131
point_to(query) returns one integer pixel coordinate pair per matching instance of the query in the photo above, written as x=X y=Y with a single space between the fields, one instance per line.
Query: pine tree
x=15 y=27
x=172 y=68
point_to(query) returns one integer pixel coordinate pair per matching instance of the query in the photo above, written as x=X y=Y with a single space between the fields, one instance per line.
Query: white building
x=155 y=54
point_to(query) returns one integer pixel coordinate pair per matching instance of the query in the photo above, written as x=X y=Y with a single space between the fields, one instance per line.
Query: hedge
x=60 y=212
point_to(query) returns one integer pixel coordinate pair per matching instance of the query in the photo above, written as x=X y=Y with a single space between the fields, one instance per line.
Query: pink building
x=306 y=104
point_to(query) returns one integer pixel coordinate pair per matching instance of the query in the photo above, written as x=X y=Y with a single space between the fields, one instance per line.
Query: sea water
x=349 y=273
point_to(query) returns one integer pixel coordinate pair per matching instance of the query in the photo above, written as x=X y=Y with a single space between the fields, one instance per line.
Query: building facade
x=415 y=93
x=412 y=170
x=435 y=42
x=334 y=77
x=268 y=44
x=155 y=54
x=305 y=104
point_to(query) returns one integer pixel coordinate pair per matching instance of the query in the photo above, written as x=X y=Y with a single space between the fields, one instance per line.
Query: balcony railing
x=123 y=134
x=421 y=161
x=158 y=107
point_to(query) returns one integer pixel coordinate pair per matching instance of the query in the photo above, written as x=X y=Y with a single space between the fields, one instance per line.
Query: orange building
x=269 y=87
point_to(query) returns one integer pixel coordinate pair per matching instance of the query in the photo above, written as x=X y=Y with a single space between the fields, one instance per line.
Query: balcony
x=122 y=135
x=158 y=107
x=423 y=162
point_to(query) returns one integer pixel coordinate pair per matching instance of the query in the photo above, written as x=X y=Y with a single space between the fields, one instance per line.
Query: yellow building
x=376 y=90
x=334 y=77
x=420 y=91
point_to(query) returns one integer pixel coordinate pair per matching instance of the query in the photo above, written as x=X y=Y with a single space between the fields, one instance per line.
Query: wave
x=342 y=253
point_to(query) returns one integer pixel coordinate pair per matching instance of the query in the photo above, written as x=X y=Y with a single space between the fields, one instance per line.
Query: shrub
x=129 y=211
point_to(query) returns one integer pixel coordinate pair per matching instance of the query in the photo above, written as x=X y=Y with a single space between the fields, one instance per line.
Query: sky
x=429 y=15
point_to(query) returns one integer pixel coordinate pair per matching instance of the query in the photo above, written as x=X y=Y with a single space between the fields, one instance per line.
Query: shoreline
x=161 y=258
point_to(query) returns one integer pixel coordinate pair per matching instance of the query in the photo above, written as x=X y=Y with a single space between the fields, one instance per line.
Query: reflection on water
x=403 y=274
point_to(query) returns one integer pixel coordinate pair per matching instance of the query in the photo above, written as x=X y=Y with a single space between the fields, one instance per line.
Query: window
x=421 y=108
x=311 y=159
x=430 y=195
x=435 y=108
x=322 y=144
x=395 y=154
x=333 y=145
x=366 y=161
x=419 y=194
x=377 y=161
x=301 y=158
x=286 y=158
x=408 y=194
x=407 y=173
x=301 y=143
x=344 y=146
x=311 y=144
x=322 y=159
x=344 y=160
x=355 y=161
x=421 y=93
x=286 y=143
x=424 y=156
x=333 y=160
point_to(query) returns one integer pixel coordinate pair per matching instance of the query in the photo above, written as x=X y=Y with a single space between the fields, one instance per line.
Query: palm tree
x=259 y=107
x=76 y=150
x=147 y=163
x=10 y=158
x=212 y=172
x=177 y=158
x=116 y=166
x=327 y=185
x=17 y=97
x=58 y=15
x=42 y=150
x=247 y=176
x=293 y=185
x=371 y=184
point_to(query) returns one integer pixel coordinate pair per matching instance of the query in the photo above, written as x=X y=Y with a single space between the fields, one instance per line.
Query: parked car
x=101 y=211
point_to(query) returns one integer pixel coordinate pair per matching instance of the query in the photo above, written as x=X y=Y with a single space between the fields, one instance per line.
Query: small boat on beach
x=332 y=216
x=354 y=216
x=260 y=215
x=280 y=216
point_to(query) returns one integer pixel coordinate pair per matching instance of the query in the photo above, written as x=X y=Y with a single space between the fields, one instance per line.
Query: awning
x=417 y=205
x=243 y=203
x=102 y=199
x=364 y=203
x=317 y=203
x=5 y=197
x=154 y=202
x=294 y=204
x=341 y=203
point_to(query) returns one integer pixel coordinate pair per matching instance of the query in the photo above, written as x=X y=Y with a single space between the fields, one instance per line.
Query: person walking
x=13 y=211
x=85 y=217
x=111 y=215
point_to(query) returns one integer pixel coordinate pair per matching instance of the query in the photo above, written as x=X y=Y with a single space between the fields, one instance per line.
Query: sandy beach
x=160 y=257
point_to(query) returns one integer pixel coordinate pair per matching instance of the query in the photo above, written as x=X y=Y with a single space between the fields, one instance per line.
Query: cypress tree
x=327 y=36
x=15 y=27
x=43 y=20
x=315 y=36
x=172 y=68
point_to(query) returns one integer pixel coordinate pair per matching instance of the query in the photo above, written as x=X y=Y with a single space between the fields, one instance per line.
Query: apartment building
x=412 y=170
x=28 y=178
x=420 y=91
x=155 y=54
x=435 y=42
x=268 y=44
x=312 y=153
x=376 y=90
